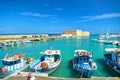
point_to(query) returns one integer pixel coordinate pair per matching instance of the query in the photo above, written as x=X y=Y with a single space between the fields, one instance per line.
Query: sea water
x=67 y=47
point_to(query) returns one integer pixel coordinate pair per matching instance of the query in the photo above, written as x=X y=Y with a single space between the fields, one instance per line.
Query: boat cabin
x=13 y=63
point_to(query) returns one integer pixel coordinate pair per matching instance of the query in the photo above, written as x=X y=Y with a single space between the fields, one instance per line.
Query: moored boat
x=111 y=49
x=108 y=42
x=83 y=63
x=116 y=42
x=28 y=41
x=48 y=62
x=100 y=40
x=113 y=59
x=13 y=63
x=1 y=45
x=8 y=43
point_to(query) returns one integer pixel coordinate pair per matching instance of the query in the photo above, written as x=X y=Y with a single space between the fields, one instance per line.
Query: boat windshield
x=11 y=62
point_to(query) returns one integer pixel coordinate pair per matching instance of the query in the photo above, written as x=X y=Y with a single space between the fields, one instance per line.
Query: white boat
x=116 y=42
x=28 y=41
x=13 y=63
x=111 y=49
x=8 y=43
x=108 y=42
x=48 y=62
x=17 y=42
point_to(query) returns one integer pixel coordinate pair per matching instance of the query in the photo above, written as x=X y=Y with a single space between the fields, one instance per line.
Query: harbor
x=64 y=70
x=60 y=40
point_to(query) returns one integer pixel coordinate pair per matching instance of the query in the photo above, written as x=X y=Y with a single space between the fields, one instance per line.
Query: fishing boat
x=48 y=62
x=108 y=42
x=83 y=63
x=100 y=40
x=112 y=59
x=111 y=49
x=1 y=45
x=13 y=63
x=8 y=43
x=17 y=42
x=28 y=41
x=116 y=42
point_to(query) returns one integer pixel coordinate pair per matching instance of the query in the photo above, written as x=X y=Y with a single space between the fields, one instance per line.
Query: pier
x=23 y=76
x=44 y=76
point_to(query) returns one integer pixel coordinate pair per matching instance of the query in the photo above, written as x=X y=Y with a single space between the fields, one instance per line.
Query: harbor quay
x=22 y=38
x=44 y=76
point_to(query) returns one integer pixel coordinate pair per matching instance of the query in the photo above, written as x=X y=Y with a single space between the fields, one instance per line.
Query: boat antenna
x=6 y=56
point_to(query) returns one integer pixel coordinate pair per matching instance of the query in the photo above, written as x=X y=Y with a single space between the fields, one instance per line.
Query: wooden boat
x=13 y=63
x=1 y=45
x=112 y=59
x=28 y=41
x=83 y=63
x=116 y=42
x=108 y=42
x=48 y=62
x=111 y=49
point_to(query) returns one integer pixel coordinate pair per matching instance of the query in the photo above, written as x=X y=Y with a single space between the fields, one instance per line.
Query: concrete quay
x=43 y=76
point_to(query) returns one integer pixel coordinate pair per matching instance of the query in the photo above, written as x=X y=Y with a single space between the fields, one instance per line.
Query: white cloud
x=97 y=17
x=59 y=9
x=36 y=14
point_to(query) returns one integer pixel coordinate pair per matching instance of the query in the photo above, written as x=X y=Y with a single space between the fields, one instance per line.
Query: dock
x=23 y=75
x=44 y=76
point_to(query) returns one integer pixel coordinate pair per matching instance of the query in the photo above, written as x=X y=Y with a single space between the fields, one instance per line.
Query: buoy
x=44 y=64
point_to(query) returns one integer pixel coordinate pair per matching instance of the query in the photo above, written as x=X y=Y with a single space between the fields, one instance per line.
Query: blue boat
x=108 y=42
x=1 y=45
x=83 y=63
x=48 y=62
x=13 y=63
x=112 y=58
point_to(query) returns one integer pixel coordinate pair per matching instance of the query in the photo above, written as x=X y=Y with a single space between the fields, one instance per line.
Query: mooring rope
x=99 y=73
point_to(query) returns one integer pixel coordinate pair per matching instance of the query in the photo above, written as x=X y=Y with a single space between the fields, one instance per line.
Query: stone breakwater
x=31 y=37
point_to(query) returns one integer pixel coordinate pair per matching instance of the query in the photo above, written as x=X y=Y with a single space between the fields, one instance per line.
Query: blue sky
x=47 y=16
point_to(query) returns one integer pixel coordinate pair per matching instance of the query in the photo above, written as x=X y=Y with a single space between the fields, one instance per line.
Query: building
x=77 y=32
x=66 y=35
x=85 y=33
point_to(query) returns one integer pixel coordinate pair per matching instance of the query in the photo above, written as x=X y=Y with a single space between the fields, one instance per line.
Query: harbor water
x=67 y=47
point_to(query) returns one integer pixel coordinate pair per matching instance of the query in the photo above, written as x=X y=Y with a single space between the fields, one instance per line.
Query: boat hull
x=110 y=64
x=44 y=71
x=83 y=63
x=85 y=72
x=47 y=70
x=4 y=74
